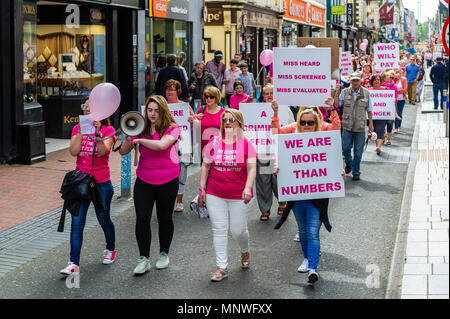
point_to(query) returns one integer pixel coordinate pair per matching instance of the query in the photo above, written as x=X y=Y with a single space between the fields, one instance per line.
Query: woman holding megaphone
x=156 y=179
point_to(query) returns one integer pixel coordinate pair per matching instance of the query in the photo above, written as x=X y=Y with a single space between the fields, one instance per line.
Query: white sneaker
x=304 y=266
x=142 y=266
x=163 y=261
x=71 y=269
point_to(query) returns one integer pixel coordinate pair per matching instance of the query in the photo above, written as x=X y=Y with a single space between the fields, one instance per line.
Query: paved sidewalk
x=29 y=191
x=426 y=260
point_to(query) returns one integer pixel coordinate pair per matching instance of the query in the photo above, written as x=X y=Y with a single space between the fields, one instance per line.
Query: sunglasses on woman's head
x=309 y=123
x=230 y=120
x=84 y=107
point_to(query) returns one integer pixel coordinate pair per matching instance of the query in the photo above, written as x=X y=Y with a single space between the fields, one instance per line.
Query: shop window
x=71 y=58
x=29 y=62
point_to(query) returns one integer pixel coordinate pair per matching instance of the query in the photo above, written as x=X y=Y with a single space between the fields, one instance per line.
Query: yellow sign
x=337 y=10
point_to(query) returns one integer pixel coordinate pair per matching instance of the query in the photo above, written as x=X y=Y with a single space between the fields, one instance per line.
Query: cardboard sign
x=257 y=125
x=310 y=166
x=383 y=104
x=345 y=63
x=301 y=76
x=180 y=112
x=333 y=44
x=387 y=56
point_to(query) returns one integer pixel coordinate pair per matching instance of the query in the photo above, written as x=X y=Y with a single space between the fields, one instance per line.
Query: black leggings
x=145 y=195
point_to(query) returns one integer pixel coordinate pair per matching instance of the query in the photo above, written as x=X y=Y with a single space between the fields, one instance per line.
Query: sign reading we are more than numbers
x=310 y=166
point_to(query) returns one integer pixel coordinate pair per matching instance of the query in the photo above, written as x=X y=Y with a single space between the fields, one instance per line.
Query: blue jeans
x=438 y=88
x=307 y=216
x=353 y=140
x=104 y=219
x=400 y=106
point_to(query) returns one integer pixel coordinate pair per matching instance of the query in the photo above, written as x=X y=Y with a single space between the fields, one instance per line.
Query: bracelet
x=200 y=191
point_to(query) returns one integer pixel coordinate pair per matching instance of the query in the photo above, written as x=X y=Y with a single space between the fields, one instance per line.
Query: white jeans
x=220 y=210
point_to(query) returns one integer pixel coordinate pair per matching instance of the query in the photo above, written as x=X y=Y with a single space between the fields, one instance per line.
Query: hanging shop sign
x=337 y=10
x=170 y=9
x=214 y=16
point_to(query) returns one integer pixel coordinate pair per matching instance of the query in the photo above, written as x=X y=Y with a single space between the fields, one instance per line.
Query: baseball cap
x=355 y=76
x=439 y=58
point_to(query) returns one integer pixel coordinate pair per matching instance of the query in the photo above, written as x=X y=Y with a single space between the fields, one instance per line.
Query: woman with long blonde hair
x=156 y=179
x=226 y=187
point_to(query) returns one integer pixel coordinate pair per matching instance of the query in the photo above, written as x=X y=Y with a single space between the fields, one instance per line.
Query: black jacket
x=200 y=84
x=76 y=187
x=439 y=74
x=172 y=72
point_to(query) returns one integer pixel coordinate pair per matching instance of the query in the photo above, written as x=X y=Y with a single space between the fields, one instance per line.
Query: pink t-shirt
x=235 y=99
x=100 y=169
x=210 y=125
x=228 y=171
x=158 y=167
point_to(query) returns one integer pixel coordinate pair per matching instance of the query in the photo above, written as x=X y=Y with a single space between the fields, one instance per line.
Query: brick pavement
x=29 y=191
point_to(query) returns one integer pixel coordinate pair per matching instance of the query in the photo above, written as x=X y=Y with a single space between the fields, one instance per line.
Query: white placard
x=180 y=112
x=345 y=63
x=257 y=125
x=387 y=56
x=383 y=104
x=310 y=166
x=86 y=124
x=301 y=76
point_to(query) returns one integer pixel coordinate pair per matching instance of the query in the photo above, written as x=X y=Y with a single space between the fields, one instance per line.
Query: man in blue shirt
x=412 y=74
x=439 y=77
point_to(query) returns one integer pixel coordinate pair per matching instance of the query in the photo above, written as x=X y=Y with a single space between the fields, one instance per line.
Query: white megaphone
x=133 y=124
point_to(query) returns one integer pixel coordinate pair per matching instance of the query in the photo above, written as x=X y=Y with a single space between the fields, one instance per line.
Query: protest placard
x=387 y=56
x=310 y=166
x=257 y=120
x=180 y=112
x=301 y=76
x=383 y=104
x=345 y=63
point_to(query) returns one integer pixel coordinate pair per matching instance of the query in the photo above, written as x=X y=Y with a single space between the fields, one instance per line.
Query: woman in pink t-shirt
x=208 y=116
x=156 y=179
x=82 y=146
x=239 y=96
x=230 y=160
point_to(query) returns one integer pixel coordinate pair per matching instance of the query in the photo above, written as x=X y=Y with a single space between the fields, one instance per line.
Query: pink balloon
x=363 y=46
x=266 y=57
x=366 y=41
x=104 y=101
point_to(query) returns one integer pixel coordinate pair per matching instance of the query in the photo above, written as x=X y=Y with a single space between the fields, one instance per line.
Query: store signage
x=304 y=12
x=261 y=20
x=160 y=8
x=171 y=9
x=349 y=14
x=214 y=16
x=29 y=9
x=316 y=16
x=310 y=166
x=337 y=10
x=301 y=74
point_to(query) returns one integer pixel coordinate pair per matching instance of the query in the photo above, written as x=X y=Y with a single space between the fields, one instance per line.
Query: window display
x=71 y=61
x=29 y=62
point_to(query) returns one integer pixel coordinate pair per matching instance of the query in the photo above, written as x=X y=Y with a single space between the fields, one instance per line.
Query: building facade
x=54 y=53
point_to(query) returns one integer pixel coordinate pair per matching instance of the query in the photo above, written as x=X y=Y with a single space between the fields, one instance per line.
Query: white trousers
x=220 y=212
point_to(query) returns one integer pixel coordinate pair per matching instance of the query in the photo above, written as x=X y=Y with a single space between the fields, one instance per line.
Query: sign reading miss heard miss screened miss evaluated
x=301 y=76
x=310 y=166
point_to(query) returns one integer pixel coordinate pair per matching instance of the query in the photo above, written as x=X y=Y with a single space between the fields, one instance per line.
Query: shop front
x=173 y=27
x=59 y=53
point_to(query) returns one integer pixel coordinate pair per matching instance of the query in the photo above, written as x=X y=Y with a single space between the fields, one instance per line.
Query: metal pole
x=125 y=176
x=444 y=101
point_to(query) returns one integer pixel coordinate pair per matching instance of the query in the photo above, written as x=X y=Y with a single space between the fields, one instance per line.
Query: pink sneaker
x=71 y=269
x=109 y=257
